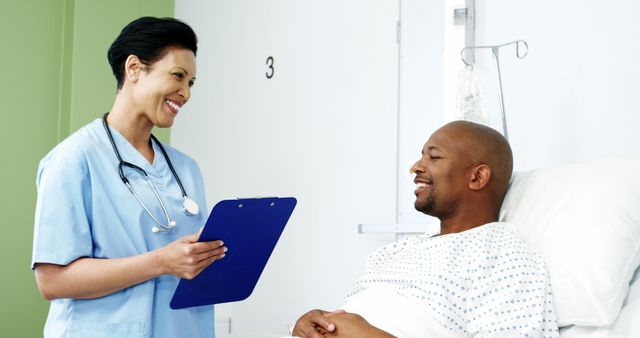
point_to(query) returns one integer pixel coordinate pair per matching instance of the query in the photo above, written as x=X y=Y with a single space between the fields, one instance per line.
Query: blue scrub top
x=84 y=210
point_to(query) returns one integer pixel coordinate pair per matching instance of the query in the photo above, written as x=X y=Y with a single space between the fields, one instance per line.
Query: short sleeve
x=513 y=299
x=62 y=231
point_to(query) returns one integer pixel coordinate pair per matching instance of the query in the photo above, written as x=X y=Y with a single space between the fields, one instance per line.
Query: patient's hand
x=351 y=325
x=314 y=324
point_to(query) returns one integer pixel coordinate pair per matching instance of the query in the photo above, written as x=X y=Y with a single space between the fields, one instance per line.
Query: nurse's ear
x=132 y=67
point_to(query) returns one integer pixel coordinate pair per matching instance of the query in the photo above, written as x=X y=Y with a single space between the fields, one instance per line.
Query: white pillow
x=625 y=326
x=585 y=222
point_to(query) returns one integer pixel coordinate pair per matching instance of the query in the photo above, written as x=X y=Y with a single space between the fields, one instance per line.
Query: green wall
x=31 y=57
x=55 y=79
x=97 y=23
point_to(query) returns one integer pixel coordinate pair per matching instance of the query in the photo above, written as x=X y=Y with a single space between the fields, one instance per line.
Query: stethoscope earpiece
x=168 y=227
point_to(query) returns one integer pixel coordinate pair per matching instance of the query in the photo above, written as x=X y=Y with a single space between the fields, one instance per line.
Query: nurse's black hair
x=149 y=38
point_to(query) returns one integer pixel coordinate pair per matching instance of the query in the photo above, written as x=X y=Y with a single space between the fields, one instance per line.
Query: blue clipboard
x=250 y=228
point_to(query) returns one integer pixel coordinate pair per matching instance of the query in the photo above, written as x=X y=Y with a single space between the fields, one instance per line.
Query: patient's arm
x=313 y=324
x=350 y=325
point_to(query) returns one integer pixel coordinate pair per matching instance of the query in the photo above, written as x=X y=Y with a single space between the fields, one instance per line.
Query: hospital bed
x=584 y=220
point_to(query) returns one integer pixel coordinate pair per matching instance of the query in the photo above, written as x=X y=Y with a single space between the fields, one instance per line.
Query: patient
x=476 y=278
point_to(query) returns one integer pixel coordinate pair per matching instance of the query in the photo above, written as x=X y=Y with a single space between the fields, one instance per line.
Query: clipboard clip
x=258 y=198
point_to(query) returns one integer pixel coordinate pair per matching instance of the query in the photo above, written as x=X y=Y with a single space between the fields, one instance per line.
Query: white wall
x=327 y=127
x=420 y=92
x=575 y=96
x=323 y=129
x=572 y=99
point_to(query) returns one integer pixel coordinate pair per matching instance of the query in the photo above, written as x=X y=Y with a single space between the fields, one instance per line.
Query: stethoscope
x=189 y=206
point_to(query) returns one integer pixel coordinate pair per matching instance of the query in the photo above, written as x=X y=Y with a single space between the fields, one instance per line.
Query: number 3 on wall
x=270 y=70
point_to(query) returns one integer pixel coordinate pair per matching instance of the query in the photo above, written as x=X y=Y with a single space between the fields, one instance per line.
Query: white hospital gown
x=483 y=282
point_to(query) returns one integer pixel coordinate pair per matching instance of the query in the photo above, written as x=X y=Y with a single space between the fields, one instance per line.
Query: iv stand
x=495 y=50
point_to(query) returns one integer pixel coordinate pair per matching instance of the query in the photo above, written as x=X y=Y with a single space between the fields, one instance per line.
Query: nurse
x=117 y=215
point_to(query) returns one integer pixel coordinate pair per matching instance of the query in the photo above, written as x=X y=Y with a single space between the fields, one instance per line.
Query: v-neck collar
x=130 y=154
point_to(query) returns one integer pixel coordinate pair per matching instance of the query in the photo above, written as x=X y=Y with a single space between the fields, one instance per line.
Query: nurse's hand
x=186 y=257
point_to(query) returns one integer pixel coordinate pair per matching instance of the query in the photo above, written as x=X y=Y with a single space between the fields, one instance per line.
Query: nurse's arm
x=87 y=278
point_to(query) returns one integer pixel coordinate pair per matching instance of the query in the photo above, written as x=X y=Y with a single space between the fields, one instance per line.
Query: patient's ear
x=480 y=176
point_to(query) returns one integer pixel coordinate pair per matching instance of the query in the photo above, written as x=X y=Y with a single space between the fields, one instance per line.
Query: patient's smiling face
x=442 y=172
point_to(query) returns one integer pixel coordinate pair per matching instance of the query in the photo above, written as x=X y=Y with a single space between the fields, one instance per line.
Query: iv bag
x=472 y=97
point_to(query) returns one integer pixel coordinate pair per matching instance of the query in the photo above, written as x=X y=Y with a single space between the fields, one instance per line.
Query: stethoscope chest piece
x=190 y=207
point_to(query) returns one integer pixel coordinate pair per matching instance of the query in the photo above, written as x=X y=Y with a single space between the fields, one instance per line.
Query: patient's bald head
x=483 y=144
x=464 y=172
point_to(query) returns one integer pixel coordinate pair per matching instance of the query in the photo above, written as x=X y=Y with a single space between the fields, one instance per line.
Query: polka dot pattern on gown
x=483 y=282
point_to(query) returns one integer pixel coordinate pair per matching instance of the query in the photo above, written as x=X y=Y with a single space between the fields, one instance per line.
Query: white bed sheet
x=395 y=314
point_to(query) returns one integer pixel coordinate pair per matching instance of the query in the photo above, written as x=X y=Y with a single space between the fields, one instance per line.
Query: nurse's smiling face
x=160 y=89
